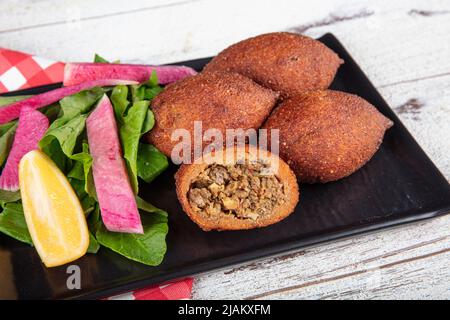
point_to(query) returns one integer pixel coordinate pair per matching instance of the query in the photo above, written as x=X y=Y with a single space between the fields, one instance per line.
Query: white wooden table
x=403 y=46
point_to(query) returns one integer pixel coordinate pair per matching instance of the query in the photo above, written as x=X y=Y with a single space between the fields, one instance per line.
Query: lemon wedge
x=53 y=213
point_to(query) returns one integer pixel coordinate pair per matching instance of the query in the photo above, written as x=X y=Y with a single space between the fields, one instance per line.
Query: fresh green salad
x=66 y=143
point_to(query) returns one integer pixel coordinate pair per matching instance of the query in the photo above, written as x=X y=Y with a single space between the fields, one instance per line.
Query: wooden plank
x=175 y=33
x=424 y=108
x=360 y=267
x=30 y=14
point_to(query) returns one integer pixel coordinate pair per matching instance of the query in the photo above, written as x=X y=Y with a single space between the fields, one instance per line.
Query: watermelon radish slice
x=31 y=128
x=115 y=196
x=75 y=73
x=12 y=111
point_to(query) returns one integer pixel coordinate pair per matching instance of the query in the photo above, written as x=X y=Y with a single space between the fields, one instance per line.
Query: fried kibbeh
x=285 y=62
x=327 y=135
x=219 y=100
x=239 y=189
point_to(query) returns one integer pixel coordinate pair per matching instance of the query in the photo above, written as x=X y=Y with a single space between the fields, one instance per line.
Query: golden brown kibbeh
x=285 y=62
x=220 y=100
x=327 y=135
x=245 y=191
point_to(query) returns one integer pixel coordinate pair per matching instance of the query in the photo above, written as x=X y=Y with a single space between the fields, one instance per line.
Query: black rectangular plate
x=399 y=185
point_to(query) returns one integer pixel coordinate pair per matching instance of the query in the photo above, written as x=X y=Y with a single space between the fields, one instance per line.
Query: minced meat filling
x=240 y=189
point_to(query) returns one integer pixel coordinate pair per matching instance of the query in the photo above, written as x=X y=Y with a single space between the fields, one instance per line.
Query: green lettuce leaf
x=94 y=246
x=6 y=141
x=133 y=122
x=119 y=99
x=130 y=133
x=150 y=93
x=77 y=172
x=100 y=59
x=148 y=248
x=53 y=149
x=93 y=225
x=87 y=203
x=137 y=92
x=12 y=223
x=150 y=162
x=73 y=106
x=94 y=220
x=147 y=90
x=66 y=134
x=52 y=111
x=8 y=100
x=71 y=124
x=148 y=207
x=141 y=92
x=8 y=196
x=6 y=126
x=84 y=168
x=89 y=206
x=153 y=81
x=149 y=121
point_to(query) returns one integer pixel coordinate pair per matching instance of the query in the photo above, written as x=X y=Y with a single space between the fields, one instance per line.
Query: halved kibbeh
x=242 y=189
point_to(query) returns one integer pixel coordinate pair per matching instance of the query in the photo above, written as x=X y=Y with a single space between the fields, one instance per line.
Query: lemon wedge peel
x=53 y=213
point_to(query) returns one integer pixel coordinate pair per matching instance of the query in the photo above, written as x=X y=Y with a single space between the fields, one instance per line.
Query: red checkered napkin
x=179 y=290
x=19 y=70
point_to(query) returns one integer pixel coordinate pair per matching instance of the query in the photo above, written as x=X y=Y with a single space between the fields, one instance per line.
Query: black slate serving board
x=399 y=185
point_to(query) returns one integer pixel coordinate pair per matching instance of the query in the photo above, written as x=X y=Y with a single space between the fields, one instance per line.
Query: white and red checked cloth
x=19 y=70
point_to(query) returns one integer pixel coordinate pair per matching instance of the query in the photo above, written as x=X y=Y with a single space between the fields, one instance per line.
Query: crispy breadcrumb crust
x=220 y=100
x=188 y=172
x=327 y=135
x=285 y=62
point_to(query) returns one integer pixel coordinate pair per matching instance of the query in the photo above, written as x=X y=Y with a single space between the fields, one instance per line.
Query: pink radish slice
x=12 y=111
x=75 y=73
x=115 y=195
x=31 y=128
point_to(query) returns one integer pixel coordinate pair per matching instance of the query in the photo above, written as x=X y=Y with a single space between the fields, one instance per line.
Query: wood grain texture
x=369 y=266
x=403 y=47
